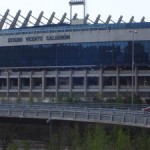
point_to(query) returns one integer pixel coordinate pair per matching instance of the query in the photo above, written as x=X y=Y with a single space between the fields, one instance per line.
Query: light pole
x=133 y=34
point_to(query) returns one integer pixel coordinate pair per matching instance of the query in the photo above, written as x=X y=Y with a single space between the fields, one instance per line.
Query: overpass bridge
x=77 y=113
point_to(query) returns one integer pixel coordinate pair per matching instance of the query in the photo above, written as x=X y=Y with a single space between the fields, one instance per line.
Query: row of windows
x=105 y=53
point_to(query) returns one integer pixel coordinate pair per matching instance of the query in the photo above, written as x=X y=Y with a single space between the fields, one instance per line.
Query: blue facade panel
x=116 y=53
x=76 y=54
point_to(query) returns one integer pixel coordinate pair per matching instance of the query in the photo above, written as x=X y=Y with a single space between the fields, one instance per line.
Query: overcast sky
x=115 y=8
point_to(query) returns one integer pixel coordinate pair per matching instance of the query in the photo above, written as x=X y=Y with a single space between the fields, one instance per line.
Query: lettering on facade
x=39 y=38
x=33 y=39
x=12 y=40
x=58 y=37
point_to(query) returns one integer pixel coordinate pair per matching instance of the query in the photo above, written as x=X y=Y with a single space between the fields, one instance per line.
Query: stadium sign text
x=11 y=40
x=38 y=38
x=58 y=37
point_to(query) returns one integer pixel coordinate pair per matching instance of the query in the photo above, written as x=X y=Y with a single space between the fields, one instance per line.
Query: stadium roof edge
x=28 y=21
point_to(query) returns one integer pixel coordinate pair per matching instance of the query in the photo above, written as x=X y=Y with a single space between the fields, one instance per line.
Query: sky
x=115 y=8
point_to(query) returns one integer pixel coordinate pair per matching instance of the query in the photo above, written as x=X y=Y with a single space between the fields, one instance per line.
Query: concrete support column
x=144 y=83
x=85 y=83
x=19 y=85
x=101 y=81
x=136 y=80
x=117 y=81
x=31 y=83
x=113 y=81
x=43 y=84
x=70 y=82
x=8 y=84
x=56 y=86
x=128 y=82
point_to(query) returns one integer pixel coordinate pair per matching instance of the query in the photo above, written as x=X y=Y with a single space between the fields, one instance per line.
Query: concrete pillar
x=136 y=80
x=70 y=82
x=31 y=83
x=117 y=81
x=8 y=84
x=144 y=83
x=19 y=85
x=43 y=84
x=85 y=83
x=113 y=81
x=56 y=86
x=101 y=80
x=128 y=82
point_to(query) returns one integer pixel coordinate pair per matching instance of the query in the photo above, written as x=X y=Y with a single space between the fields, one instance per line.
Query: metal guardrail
x=73 y=113
x=77 y=104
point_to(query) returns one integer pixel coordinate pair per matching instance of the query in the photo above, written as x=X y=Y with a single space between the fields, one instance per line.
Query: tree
x=26 y=145
x=88 y=136
x=53 y=143
x=12 y=146
x=143 y=141
x=76 y=139
x=123 y=141
x=101 y=141
x=97 y=139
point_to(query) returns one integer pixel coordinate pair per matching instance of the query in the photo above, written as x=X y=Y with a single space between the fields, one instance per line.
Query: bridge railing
x=86 y=105
x=84 y=114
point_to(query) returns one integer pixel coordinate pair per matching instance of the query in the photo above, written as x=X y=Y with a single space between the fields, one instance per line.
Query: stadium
x=74 y=58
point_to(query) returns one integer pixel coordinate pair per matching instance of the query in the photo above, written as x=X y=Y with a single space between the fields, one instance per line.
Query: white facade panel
x=74 y=37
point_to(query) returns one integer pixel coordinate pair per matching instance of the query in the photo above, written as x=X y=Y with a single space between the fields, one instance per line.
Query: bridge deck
x=83 y=114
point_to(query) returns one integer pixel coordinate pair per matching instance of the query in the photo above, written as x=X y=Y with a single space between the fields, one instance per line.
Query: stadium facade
x=82 y=60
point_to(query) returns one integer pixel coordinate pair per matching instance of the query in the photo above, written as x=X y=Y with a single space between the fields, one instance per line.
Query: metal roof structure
x=15 y=22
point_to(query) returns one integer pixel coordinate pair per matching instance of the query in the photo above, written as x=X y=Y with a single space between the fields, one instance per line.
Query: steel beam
x=4 y=19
